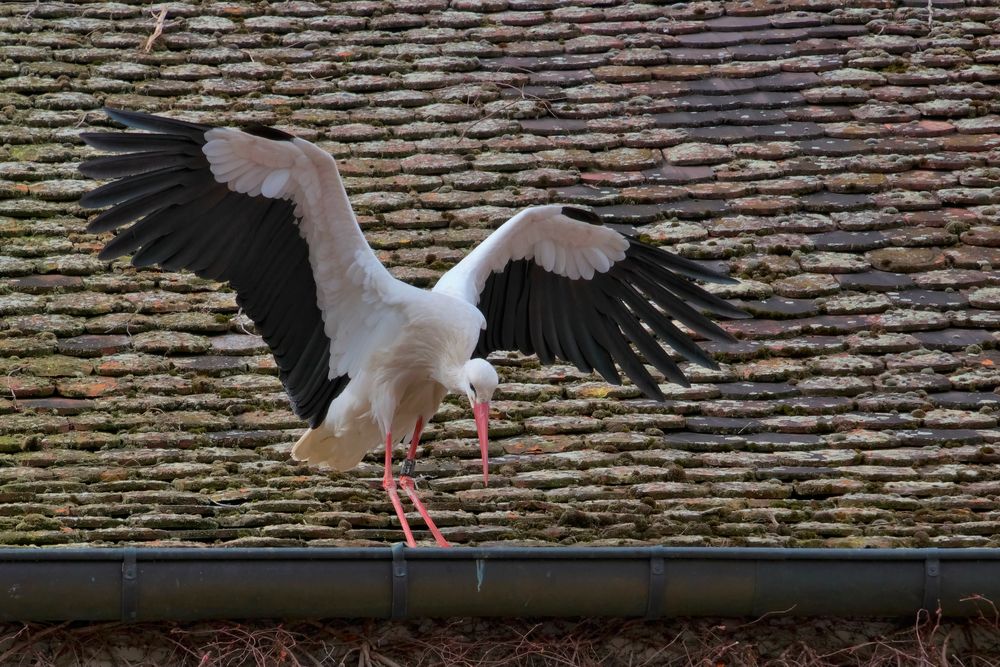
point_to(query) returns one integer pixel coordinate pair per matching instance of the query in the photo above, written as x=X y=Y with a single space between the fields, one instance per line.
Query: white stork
x=364 y=357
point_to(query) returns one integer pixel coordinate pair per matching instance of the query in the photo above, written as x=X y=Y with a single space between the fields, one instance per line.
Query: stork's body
x=407 y=378
x=365 y=358
x=408 y=370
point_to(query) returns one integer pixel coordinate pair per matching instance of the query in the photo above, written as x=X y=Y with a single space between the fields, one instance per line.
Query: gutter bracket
x=400 y=584
x=656 y=592
x=130 y=586
x=932 y=585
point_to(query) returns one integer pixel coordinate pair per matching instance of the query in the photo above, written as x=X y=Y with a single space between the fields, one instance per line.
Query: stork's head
x=479 y=381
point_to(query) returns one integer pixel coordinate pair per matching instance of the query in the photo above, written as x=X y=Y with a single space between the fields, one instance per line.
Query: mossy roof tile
x=837 y=161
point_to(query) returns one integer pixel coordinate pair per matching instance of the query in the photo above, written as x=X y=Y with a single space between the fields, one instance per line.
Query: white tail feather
x=340 y=452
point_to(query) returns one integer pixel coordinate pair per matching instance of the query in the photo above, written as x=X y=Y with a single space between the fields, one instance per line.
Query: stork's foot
x=389 y=484
x=406 y=482
x=408 y=486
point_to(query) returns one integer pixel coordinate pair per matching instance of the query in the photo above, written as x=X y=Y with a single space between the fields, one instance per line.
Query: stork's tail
x=341 y=452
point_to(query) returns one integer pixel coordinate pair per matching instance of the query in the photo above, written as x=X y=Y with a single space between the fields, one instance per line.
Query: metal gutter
x=133 y=584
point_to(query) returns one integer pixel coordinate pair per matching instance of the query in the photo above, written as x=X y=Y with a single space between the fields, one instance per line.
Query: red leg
x=415 y=440
x=389 y=484
x=406 y=482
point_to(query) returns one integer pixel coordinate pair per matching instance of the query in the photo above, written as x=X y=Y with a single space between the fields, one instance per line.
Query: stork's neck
x=442 y=336
x=452 y=377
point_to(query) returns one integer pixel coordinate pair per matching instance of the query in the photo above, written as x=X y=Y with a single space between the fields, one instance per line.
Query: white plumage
x=367 y=359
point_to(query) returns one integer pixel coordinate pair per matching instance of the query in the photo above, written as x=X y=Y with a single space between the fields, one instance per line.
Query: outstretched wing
x=266 y=212
x=556 y=282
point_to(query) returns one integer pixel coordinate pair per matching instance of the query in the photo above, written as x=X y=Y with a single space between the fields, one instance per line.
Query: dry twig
x=161 y=18
x=930 y=642
x=10 y=386
x=30 y=640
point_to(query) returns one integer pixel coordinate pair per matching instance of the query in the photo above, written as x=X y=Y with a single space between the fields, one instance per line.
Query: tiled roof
x=843 y=162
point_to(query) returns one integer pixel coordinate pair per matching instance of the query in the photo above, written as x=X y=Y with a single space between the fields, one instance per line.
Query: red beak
x=482 y=413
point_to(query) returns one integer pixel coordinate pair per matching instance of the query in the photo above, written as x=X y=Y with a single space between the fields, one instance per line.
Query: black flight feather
x=594 y=323
x=170 y=211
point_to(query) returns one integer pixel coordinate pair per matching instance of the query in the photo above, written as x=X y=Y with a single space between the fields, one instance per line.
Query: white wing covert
x=556 y=282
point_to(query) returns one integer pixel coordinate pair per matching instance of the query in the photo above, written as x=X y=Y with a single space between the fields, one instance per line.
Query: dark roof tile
x=783 y=131
x=713 y=40
x=698 y=103
x=756 y=390
x=840 y=241
x=586 y=194
x=675 y=120
x=552 y=126
x=738 y=23
x=835 y=147
x=953 y=339
x=781 y=307
x=723 y=425
x=826 y=202
x=964 y=400
x=634 y=214
x=875 y=280
x=696 y=56
x=695 y=208
x=769 y=99
x=930 y=299
x=837 y=31
x=679 y=175
x=722 y=86
x=754 y=52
